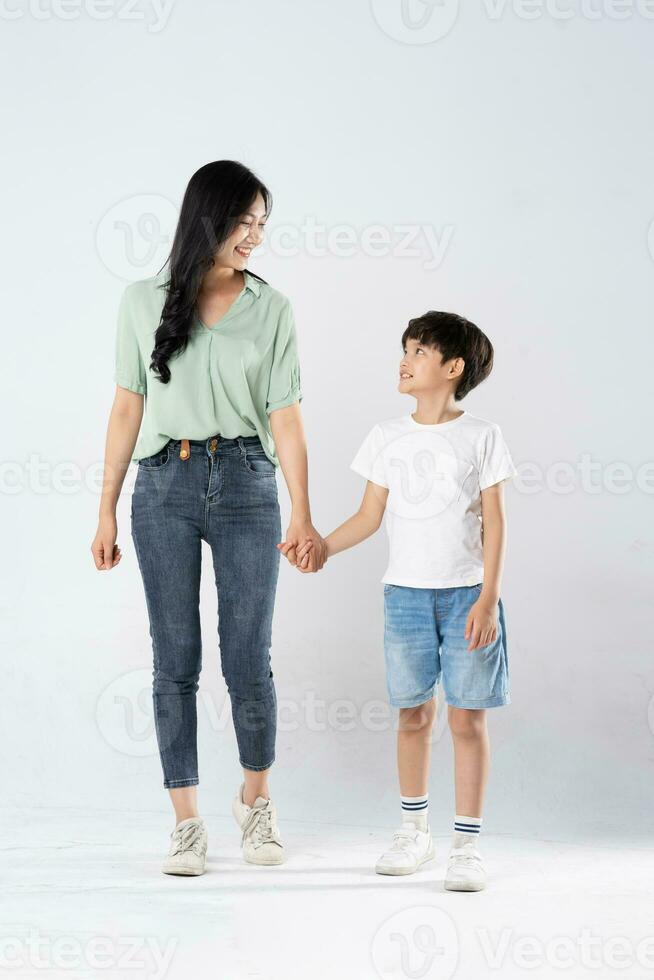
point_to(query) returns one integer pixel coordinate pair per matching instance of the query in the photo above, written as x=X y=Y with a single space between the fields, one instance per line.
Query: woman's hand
x=306 y=558
x=304 y=547
x=105 y=551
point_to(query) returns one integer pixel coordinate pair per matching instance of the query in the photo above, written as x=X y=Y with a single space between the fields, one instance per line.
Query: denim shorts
x=424 y=642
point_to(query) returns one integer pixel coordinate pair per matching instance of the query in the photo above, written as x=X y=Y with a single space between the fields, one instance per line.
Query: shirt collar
x=252 y=283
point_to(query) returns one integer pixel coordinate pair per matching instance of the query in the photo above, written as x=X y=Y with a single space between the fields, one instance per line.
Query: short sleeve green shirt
x=226 y=382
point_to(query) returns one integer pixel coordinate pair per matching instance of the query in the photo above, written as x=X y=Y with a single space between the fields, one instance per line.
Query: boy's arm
x=481 y=624
x=354 y=530
x=493 y=519
x=362 y=524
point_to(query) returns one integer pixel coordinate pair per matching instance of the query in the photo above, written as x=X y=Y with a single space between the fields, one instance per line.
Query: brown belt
x=185 y=449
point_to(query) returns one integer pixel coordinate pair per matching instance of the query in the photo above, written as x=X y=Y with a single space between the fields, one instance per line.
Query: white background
x=524 y=144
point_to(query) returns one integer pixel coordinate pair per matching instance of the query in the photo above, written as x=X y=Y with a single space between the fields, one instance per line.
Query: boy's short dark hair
x=454 y=336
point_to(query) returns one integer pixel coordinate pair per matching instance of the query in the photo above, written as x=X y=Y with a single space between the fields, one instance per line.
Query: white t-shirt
x=434 y=475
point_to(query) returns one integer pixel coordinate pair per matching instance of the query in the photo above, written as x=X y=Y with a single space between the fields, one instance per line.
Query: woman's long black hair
x=217 y=196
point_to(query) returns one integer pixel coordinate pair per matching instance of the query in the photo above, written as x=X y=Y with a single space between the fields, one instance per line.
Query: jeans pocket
x=259 y=465
x=156 y=461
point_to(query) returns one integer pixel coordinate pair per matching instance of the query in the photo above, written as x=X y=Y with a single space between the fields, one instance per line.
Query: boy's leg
x=471 y=758
x=412 y=671
x=473 y=680
x=465 y=869
x=413 y=757
x=412 y=844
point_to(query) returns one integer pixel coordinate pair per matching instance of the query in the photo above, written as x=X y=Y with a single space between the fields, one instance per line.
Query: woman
x=212 y=349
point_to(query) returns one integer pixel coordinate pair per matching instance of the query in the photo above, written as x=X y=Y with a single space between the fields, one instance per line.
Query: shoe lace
x=402 y=837
x=188 y=838
x=466 y=856
x=258 y=825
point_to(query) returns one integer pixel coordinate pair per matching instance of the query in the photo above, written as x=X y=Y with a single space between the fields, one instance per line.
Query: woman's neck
x=222 y=279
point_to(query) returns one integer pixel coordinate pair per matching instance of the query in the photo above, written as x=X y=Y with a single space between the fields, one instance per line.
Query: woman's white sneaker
x=410 y=849
x=465 y=869
x=260 y=839
x=188 y=848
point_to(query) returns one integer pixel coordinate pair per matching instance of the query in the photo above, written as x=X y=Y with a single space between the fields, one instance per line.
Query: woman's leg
x=255 y=785
x=168 y=548
x=243 y=528
x=185 y=802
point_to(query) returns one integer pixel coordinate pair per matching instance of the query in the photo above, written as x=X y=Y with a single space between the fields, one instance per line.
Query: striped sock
x=466 y=828
x=415 y=810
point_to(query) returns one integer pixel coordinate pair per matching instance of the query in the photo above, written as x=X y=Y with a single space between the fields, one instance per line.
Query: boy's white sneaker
x=261 y=842
x=188 y=848
x=410 y=849
x=465 y=869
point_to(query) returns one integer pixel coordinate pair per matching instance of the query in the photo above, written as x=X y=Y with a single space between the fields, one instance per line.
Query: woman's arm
x=290 y=444
x=122 y=433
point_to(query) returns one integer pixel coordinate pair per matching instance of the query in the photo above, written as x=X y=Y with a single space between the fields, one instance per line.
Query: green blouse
x=229 y=379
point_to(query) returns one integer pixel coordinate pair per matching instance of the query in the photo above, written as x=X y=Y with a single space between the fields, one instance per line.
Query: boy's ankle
x=415 y=810
x=419 y=820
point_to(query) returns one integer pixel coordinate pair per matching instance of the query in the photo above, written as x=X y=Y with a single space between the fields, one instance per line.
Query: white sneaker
x=465 y=869
x=411 y=848
x=188 y=848
x=261 y=842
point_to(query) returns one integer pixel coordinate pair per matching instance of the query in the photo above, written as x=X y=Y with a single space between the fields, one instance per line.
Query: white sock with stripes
x=465 y=829
x=415 y=810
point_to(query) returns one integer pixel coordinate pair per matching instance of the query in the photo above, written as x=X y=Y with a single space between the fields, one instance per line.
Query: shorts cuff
x=496 y=702
x=413 y=702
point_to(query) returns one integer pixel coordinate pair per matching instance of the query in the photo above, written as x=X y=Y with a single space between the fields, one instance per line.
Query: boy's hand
x=481 y=624
x=305 y=555
x=306 y=551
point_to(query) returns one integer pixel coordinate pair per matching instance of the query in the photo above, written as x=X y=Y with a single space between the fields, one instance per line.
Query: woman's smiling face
x=247 y=235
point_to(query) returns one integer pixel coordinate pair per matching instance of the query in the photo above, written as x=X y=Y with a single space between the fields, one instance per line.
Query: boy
x=438 y=473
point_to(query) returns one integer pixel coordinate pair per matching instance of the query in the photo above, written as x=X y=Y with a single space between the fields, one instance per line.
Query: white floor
x=83 y=896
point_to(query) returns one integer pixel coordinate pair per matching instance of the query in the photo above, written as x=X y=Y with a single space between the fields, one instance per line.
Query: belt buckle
x=185 y=451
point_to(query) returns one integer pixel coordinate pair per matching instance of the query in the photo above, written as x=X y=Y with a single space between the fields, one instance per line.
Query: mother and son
x=207 y=403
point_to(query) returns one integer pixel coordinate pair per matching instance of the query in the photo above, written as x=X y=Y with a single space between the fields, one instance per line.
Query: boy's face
x=423 y=371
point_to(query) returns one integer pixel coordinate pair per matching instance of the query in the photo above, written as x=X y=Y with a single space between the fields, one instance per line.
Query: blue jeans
x=225 y=493
x=424 y=643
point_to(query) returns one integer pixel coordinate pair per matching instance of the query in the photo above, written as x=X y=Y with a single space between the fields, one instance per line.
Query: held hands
x=304 y=548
